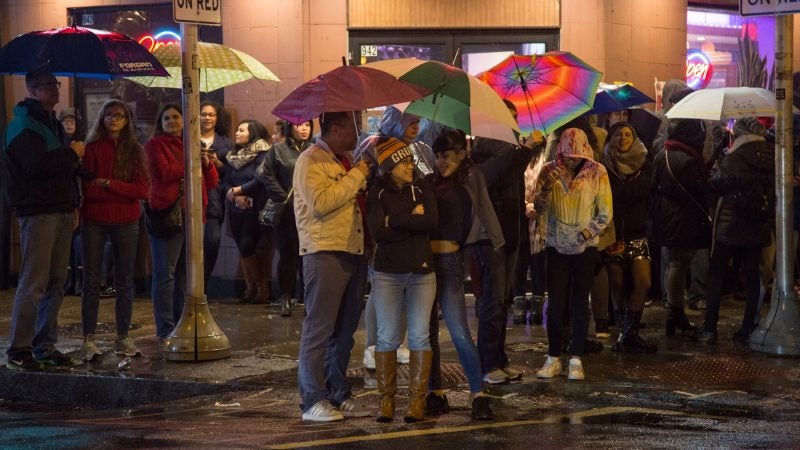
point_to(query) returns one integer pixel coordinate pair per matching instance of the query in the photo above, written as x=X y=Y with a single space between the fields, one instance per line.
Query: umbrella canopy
x=78 y=52
x=614 y=97
x=345 y=88
x=548 y=90
x=725 y=103
x=220 y=66
x=457 y=99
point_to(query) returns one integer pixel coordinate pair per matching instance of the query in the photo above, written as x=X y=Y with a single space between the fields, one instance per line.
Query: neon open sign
x=698 y=69
x=154 y=42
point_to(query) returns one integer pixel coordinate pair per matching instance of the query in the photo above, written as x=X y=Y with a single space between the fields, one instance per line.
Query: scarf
x=625 y=164
x=240 y=157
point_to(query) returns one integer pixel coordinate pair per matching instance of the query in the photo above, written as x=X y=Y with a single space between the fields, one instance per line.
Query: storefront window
x=719 y=50
x=152 y=26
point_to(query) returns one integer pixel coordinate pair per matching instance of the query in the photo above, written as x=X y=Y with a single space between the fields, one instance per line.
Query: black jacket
x=216 y=197
x=503 y=166
x=632 y=198
x=39 y=165
x=750 y=160
x=402 y=238
x=678 y=220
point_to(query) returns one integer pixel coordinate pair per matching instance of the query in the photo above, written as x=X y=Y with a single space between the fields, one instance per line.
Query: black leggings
x=246 y=231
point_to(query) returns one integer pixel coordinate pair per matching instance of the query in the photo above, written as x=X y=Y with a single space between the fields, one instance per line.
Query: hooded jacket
x=575 y=203
x=39 y=165
x=750 y=160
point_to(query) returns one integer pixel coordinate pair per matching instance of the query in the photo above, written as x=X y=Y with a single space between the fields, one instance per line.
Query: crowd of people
x=591 y=220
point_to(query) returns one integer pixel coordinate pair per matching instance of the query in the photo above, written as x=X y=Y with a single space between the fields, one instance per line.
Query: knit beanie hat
x=748 y=125
x=390 y=151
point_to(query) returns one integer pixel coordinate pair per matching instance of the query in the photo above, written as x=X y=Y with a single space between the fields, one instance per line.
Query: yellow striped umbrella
x=220 y=66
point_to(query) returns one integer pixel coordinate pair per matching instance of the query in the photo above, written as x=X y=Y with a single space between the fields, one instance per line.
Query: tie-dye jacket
x=574 y=204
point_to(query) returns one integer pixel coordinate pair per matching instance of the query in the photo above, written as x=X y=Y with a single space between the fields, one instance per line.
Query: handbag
x=167 y=222
x=272 y=212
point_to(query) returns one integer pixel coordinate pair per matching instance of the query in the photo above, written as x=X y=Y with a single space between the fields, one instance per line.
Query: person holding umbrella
x=40 y=167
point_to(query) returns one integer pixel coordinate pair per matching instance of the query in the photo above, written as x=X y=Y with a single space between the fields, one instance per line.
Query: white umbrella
x=725 y=103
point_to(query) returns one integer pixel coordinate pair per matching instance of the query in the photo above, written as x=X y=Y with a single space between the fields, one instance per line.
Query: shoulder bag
x=272 y=212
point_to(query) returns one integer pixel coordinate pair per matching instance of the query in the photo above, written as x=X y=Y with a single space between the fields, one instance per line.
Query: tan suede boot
x=248 y=273
x=419 y=372
x=386 y=375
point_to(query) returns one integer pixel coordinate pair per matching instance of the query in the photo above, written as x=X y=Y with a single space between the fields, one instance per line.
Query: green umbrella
x=459 y=100
x=220 y=66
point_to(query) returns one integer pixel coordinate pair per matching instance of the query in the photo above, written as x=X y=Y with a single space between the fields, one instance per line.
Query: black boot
x=69 y=286
x=629 y=340
x=677 y=319
x=537 y=303
x=286 y=305
x=519 y=311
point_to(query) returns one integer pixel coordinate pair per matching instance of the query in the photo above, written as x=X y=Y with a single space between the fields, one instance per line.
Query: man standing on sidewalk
x=329 y=209
x=40 y=166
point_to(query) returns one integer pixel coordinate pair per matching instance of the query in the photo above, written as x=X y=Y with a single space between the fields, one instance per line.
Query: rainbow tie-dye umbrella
x=548 y=90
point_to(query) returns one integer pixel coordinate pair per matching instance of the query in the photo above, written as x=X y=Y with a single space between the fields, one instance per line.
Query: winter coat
x=275 y=174
x=680 y=221
x=119 y=203
x=402 y=238
x=577 y=203
x=326 y=209
x=503 y=166
x=245 y=177
x=216 y=197
x=165 y=163
x=748 y=161
x=632 y=196
x=38 y=163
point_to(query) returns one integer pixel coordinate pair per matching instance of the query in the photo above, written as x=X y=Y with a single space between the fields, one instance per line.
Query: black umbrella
x=78 y=52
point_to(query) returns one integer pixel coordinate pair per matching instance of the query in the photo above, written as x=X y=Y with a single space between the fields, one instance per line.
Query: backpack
x=756 y=202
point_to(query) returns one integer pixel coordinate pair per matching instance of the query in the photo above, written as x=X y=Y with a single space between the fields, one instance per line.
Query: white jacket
x=325 y=205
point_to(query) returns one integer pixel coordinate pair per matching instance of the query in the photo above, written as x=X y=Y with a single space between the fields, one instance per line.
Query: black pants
x=720 y=255
x=287 y=245
x=246 y=231
x=569 y=280
x=492 y=307
x=211 y=238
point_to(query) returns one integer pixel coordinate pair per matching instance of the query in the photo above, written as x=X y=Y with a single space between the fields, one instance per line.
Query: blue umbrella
x=78 y=52
x=612 y=98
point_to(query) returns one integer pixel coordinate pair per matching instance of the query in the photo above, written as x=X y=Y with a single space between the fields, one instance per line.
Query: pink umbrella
x=345 y=88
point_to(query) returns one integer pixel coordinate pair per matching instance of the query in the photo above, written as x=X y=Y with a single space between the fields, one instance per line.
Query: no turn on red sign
x=205 y=12
x=768 y=7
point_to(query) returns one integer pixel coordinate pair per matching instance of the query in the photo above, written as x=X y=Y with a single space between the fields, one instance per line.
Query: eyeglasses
x=115 y=116
x=49 y=83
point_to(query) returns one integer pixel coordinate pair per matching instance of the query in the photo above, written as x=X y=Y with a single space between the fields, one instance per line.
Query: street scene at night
x=394 y=224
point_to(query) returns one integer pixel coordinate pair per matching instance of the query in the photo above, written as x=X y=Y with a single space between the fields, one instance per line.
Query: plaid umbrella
x=220 y=66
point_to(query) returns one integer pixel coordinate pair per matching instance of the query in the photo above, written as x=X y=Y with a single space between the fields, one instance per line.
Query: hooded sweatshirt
x=576 y=203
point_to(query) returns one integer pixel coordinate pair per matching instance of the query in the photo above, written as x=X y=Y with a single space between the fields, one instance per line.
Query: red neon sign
x=154 y=42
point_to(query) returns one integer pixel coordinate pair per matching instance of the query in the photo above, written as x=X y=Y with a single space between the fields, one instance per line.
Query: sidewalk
x=265 y=346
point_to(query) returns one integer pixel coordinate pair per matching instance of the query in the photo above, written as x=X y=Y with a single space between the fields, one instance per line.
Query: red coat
x=165 y=161
x=119 y=203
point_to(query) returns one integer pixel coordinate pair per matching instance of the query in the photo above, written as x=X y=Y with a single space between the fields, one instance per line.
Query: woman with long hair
x=111 y=210
x=628 y=260
x=214 y=124
x=165 y=160
x=275 y=174
x=245 y=198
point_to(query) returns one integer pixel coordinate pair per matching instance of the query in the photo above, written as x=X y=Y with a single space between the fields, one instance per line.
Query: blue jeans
x=45 y=242
x=335 y=284
x=398 y=295
x=450 y=297
x=124 y=240
x=169 y=281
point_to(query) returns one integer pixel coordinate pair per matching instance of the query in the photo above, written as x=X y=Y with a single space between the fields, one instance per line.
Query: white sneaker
x=369 y=357
x=349 y=408
x=497 y=376
x=575 y=369
x=126 y=347
x=403 y=355
x=322 y=411
x=550 y=369
x=90 y=349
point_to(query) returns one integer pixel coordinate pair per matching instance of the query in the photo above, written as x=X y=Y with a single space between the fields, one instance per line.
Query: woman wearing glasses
x=401 y=213
x=111 y=210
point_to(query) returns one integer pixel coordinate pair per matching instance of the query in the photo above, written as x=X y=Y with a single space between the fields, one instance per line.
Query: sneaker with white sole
x=369 y=357
x=90 y=349
x=126 y=346
x=349 y=408
x=497 y=376
x=550 y=369
x=322 y=411
x=575 y=369
x=403 y=355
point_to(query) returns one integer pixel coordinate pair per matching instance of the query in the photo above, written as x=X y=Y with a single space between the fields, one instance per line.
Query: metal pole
x=778 y=332
x=196 y=337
